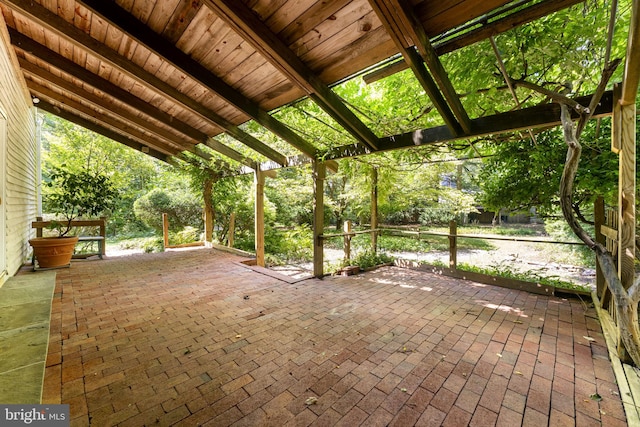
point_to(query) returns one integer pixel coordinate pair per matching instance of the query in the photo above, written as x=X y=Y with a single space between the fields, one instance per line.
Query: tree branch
x=557 y=97
x=574 y=150
x=607 y=72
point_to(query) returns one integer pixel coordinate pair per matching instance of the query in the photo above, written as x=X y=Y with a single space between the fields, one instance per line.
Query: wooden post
x=259 y=216
x=453 y=245
x=374 y=210
x=165 y=229
x=39 y=229
x=599 y=219
x=103 y=233
x=625 y=139
x=208 y=210
x=319 y=173
x=232 y=230
x=347 y=241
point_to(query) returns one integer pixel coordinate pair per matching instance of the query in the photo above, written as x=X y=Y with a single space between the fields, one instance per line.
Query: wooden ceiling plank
x=346 y=25
x=246 y=23
x=311 y=18
x=539 y=116
x=204 y=21
x=56 y=111
x=185 y=11
x=416 y=64
x=119 y=18
x=417 y=33
x=161 y=10
x=138 y=73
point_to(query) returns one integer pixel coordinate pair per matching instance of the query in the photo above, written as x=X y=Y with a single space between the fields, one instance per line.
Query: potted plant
x=70 y=195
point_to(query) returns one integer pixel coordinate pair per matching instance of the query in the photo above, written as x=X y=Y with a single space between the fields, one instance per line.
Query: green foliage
x=290 y=245
x=187 y=235
x=367 y=259
x=503 y=270
x=524 y=173
x=72 y=194
x=181 y=209
x=291 y=194
x=132 y=173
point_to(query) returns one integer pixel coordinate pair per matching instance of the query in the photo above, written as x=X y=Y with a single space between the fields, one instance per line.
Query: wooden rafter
x=394 y=27
x=539 y=116
x=253 y=30
x=128 y=24
x=71 y=68
x=483 y=32
x=412 y=26
x=95 y=127
x=134 y=132
x=68 y=88
x=82 y=40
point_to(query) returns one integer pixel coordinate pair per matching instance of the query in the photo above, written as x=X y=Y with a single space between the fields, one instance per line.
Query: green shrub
x=186 y=235
x=368 y=258
x=181 y=208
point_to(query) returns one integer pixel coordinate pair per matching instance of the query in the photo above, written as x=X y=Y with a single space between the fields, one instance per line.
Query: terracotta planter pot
x=53 y=251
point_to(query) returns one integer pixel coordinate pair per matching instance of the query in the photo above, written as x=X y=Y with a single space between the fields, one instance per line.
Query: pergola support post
x=374 y=210
x=624 y=139
x=319 y=174
x=208 y=211
x=259 y=178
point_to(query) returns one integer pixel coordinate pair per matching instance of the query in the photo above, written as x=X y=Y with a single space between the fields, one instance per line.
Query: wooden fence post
x=232 y=230
x=259 y=217
x=453 y=245
x=347 y=240
x=374 y=210
x=165 y=229
x=319 y=172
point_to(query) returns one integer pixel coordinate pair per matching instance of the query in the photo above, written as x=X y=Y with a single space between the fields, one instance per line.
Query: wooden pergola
x=167 y=77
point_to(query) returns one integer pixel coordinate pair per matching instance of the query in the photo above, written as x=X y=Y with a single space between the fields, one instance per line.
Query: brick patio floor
x=196 y=338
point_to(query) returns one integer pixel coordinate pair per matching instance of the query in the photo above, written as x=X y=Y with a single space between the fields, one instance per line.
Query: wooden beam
x=246 y=23
x=539 y=116
x=632 y=64
x=415 y=62
x=319 y=173
x=128 y=24
x=259 y=178
x=84 y=41
x=483 y=32
x=626 y=193
x=56 y=111
x=415 y=30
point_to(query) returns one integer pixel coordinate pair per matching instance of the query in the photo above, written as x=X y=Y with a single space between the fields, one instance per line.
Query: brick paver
x=196 y=338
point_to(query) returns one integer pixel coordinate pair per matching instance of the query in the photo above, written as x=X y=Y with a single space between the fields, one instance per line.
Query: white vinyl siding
x=20 y=177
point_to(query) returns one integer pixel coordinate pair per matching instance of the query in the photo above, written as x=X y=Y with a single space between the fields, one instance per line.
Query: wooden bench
x=100 y=238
